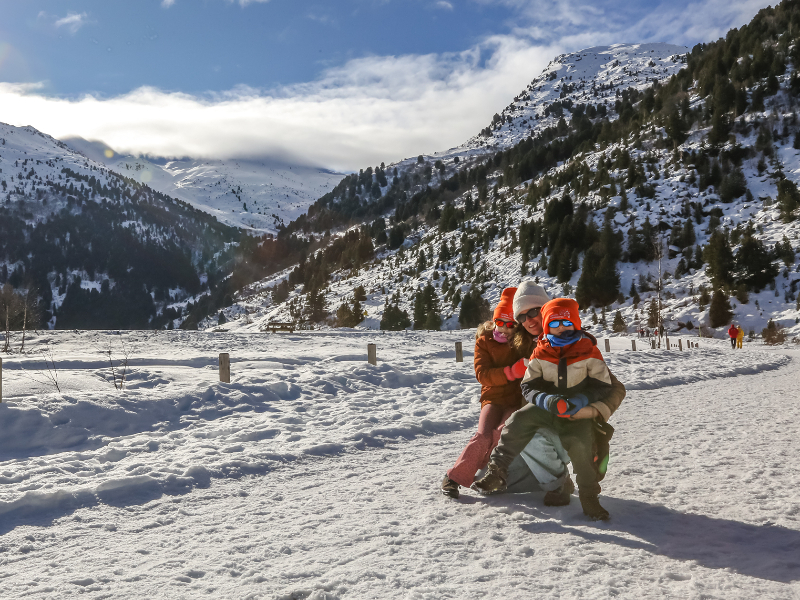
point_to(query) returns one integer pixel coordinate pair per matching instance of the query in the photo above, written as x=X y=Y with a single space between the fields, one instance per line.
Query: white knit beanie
x=529 y=295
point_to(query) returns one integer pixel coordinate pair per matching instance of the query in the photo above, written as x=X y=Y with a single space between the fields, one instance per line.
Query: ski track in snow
x=315 y=475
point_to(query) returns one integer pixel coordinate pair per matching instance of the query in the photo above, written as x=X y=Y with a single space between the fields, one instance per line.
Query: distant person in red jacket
x=733 y=333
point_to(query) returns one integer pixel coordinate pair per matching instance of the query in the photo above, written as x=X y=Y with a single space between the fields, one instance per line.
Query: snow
x=675 y=184
x=589 y=76
x=254 y=195
x=314 y=474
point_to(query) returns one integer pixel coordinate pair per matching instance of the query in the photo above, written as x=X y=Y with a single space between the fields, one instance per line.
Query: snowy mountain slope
x=591 y=76
x=253 y=195
x=316 y=475
x=78 y=233
x=670 y=196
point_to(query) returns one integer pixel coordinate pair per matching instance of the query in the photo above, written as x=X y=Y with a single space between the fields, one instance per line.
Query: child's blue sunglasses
x=563 y=322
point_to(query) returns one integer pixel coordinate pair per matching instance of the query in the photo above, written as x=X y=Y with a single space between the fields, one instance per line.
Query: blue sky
x=200 y=45
x=341 y=84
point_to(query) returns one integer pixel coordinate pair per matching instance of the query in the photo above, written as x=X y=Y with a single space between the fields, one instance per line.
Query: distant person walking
x=740 y=337
x=733 y=333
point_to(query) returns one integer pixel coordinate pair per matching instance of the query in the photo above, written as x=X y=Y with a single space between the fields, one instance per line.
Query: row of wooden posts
x=372 y=356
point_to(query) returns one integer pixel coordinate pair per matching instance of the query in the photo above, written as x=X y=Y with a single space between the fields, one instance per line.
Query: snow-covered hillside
x=590 y=76
x=254 y=195
x=315 y=475
x=669 y=199
x=79 y=234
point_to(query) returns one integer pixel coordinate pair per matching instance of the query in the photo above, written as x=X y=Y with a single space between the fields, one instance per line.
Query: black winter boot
x=592 y=509
x=449 y=487
x=561 y=496
x=492 y=482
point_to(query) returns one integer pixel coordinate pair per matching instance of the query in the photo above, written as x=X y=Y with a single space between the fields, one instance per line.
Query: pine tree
x=719 y=257
x=315 y=306
x=619 y=323
x=652 y=313
x=420 y=314
x=394 y=319
x=623 y=203
x=433 y=322
x=719 y=312
x=788 y=199
x=754 y=263
x=474 y=309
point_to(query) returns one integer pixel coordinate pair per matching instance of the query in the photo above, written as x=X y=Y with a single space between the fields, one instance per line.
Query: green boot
x=592 y=509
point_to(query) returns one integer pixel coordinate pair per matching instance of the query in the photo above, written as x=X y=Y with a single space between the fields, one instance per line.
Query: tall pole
x=659 y=255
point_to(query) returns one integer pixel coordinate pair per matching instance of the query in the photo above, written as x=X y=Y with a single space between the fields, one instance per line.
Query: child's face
x=561 y=328
x=506 y=329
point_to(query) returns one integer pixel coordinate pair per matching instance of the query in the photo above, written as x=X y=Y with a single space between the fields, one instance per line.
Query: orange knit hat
x=505 y=308
x=561 y=308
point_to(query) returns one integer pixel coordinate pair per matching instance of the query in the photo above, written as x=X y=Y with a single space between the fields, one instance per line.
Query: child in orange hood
x=498 y=368
x=565 y=383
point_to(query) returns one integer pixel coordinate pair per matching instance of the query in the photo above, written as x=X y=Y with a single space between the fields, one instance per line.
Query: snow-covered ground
x=314 y=474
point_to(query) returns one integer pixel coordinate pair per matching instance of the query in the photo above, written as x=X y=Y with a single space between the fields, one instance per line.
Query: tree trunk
x=5 y=346
x=24 y=324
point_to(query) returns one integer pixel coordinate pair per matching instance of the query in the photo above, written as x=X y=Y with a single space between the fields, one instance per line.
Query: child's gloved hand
x=517 y=370
x=561 y=406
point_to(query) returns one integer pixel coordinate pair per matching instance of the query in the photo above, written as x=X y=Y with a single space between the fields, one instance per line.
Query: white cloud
x=244 y=3
x=444 y=4
x=167 y=3
x=370 y=109
x=72 y=22
x=367 y=111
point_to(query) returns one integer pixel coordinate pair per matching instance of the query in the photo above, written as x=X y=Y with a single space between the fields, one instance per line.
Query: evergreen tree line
x=135 y=266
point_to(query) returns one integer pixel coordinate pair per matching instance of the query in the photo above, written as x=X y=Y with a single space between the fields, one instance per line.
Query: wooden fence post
x=459 y=352
x=666 y=338
x=225 y=367
x=680 y=344
x=633 y=345
x=608 y=345
x=372 y=354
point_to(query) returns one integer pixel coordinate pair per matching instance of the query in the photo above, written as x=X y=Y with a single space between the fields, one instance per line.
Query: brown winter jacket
x=491 y=357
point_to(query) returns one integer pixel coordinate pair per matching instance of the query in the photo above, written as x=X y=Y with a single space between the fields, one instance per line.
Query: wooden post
x=653 y=344
x=666 y=338
x=608 y=345
x=680 y=345
x=372 y=354
x=1 y=380
x=459 y=352
x=225 y=367
x=633 y=345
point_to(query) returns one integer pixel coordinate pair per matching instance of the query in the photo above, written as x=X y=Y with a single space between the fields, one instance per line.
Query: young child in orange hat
x=499 y=369
x=566 y=375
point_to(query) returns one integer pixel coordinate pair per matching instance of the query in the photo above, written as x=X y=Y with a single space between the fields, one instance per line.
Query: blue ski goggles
x=563 y=322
